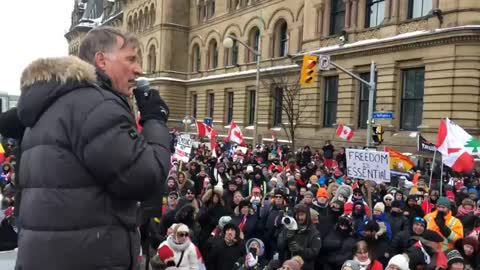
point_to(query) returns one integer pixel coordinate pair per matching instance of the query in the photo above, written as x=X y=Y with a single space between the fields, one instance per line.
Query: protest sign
x=368 y=165
x=183 y=147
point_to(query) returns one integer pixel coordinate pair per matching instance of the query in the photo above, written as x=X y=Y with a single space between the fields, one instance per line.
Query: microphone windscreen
x=142 y=84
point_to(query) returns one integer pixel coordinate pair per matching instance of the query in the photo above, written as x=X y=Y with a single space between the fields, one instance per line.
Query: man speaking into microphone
x=84 y=165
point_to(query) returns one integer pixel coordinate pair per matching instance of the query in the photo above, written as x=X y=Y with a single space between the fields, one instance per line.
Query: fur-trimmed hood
x=46 y=79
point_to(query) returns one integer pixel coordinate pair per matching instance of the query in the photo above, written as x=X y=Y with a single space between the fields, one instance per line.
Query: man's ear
x=100 y=60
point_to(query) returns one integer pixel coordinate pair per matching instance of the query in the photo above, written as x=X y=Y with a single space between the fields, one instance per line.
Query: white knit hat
x=182 y=228
x=400 y=261
x=379 y=207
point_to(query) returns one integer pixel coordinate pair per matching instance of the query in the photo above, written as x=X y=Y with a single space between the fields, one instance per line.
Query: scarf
x=363 y=265
x=461 y=211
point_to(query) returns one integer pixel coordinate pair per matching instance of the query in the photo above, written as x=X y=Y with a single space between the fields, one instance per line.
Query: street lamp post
x=228 y=43
x=187 y=121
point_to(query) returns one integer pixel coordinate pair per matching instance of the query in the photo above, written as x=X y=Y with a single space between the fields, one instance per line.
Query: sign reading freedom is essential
x=368 y=165
x=183 y=147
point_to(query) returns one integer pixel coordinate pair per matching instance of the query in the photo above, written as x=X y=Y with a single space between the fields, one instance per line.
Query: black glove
x=151 y=106
x=445 y=231
x=293 y=246
x=440 y=219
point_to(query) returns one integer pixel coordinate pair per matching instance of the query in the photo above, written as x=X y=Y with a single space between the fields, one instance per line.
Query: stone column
x=347 y=13
x=320 y=12
x=395 y=11
x=388 y=10
x=354 y=21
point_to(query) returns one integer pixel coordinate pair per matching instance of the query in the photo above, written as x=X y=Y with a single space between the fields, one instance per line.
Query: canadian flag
x=456 y=146
x=235 y=135
x=204 y=130
x=344 y=132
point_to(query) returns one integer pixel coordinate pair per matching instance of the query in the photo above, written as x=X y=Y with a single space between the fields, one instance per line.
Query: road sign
x=323 y=62
x=382 y=115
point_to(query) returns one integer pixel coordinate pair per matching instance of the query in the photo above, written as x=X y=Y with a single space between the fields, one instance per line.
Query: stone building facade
x=426 y=52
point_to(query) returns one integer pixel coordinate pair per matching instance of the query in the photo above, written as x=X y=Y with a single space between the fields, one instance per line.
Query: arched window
x=141 y=20
x=280 y=44
x=211 y=8
x=196 y=58
x=152 y=59
x=152 y=14
x=130 y=24
x=253 y=42
x=212 y=54
x=232 y=53
x=135 y=22
x=147 y=18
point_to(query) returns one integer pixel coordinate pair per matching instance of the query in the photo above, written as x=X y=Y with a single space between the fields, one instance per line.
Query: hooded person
x=405 y=239
x=338 y=244
x=304 y=242
x=442 y=222
x=470 y=250
x=255 y=259
x=398 y=262
x=343 y=193
x=412 y=209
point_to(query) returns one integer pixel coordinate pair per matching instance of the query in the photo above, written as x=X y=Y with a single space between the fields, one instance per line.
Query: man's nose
x=137 y=70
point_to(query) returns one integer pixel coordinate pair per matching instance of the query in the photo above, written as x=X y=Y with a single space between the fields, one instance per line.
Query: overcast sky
x=30 y=29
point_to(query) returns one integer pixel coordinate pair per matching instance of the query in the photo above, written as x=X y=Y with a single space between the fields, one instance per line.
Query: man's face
x=301 y=218
x=190 y=196
x=172 y=201
x=457 y=266
x=442 y=209
x=357 y=195
x=230 y=235
x=398 y=196
x=237 y=198
x=308 y=200
x=418 y=228
x=322 y=200
x=171 y=183
x=232 y=187
x=278 y=199
x=121 y=65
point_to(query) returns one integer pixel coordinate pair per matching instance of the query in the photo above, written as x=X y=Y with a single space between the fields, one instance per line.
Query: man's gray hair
x=104 y=39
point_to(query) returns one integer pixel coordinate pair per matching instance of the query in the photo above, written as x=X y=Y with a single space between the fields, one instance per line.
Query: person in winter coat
x=398 y=222
x=398 y=262
x=80 y=126
x=412 y=209
x=271 y=222
x=184 y=184
x=304 y=242
x=377 y=245
x=468 y=214
x=356 y=197
x=405 y=239
x=442 y=222
x=247 y=220
x=184 y=251
x=470 y=251
x=254 y=260
x=328 y=150
x=225 y=251
x=362 y=255
x=379 y=216
x=429 y=202
x=337 y=245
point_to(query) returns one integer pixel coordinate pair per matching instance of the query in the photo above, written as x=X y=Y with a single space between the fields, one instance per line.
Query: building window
x=229 y=107
x=211 y=9
x=211 y=103
x=419 y=8
x=253 y=42
x=152 y=59
x=337 y=17
x=141 y=19
x=277 y=109
x=135 y=22
x=375 y=13
x=363 y=100
x=412 y=98
x=331 y=95
x=194 y=105
x=251 y=107
x=213 y=54
x=152 y=15
x=147 y=18
x=130 y=24
x=196 y=58
x=280 y=48
x=232 y=53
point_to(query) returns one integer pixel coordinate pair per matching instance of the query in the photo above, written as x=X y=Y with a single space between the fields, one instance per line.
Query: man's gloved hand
x=440 y=219
x=151 y=106
x=251 y=260
x=293 y=246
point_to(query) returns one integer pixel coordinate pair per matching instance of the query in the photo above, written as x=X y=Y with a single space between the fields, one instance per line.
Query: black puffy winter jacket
x=84 y=167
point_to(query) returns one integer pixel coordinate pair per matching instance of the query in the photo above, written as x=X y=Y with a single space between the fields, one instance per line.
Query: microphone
x=143 y=85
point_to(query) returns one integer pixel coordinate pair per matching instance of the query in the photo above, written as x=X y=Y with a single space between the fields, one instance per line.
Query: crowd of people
x=271 y=208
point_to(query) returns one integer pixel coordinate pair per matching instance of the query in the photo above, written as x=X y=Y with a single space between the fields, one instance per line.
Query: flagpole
x=431 y=169
x=441 y=177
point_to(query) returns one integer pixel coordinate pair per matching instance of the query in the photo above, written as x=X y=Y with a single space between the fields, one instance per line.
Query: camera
x=290 y=223
x=342 y=39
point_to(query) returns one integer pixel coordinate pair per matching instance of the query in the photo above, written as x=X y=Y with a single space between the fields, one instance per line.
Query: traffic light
x=377 y=134
x=309 y=67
